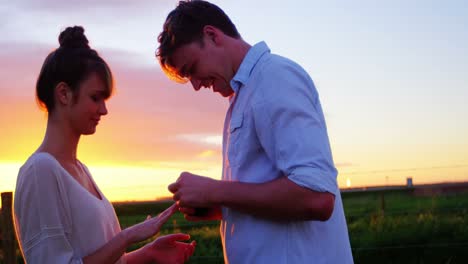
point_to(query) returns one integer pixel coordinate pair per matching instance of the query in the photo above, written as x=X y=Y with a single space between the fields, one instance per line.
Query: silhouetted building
x=409 y=182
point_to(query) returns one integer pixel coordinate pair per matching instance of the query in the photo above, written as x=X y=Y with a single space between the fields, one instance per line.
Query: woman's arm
x=110 y=252
x=115 y=248
x=164 y=250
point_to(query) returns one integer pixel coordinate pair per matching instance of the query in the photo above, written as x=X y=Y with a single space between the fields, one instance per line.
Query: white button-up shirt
x=275 y=128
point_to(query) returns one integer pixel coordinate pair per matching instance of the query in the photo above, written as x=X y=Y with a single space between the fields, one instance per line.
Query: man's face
x=205 y=65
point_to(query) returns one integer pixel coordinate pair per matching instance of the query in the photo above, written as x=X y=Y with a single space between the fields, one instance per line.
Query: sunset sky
x=392 y=78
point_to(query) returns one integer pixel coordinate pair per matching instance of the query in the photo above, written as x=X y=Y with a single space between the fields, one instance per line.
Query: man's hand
x=193 y=191
x=201 y=214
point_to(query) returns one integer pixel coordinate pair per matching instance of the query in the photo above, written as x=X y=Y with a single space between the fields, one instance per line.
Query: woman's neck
x=60 y=140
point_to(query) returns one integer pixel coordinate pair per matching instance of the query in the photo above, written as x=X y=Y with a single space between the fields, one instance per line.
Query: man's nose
x=195 y=83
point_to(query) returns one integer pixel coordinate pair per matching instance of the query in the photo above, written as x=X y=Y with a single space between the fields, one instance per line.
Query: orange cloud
x=207 y=154
x=149 y=116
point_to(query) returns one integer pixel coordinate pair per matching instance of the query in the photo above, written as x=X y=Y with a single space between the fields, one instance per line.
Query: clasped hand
x=194 y=191
x=195 y=194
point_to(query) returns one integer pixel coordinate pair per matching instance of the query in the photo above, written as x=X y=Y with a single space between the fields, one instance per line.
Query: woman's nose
x=103 y=109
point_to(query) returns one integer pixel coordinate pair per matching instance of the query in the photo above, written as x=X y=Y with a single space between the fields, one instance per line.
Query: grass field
x=409 y=229
x=384 y=227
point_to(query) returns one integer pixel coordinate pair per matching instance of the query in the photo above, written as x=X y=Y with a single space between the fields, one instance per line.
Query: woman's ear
x=63 y=94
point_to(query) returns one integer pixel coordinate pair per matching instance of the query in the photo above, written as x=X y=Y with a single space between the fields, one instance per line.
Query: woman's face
x=89 y=105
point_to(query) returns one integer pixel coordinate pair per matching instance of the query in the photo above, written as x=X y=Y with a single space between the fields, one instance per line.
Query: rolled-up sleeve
x=291 y=128
x=41 y=217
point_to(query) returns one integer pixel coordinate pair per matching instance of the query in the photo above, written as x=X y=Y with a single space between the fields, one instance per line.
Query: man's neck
x=239 y=51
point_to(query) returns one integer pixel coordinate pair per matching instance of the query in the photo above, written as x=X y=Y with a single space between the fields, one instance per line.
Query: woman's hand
x=169 y=250
x=149 y=227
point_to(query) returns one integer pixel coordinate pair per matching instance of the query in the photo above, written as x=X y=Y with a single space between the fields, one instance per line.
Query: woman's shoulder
x=43 y=160
x=39 y=164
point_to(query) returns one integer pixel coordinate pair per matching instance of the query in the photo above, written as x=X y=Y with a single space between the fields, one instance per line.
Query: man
x=278 y=198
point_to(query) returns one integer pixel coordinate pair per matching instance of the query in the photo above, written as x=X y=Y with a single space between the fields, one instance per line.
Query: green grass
x=409 y=229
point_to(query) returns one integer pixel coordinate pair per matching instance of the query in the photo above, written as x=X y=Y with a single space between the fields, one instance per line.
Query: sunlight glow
x=132 y=183
x=348 y=182
x=207 y=154
x=385 y=124
x=9 y=171
x=125 y=183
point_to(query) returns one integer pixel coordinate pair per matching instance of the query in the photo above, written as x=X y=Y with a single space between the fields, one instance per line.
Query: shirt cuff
x=315 y=179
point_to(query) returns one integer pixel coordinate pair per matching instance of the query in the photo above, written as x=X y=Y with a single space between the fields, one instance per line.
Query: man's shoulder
x=274 y=62
x=277 y=71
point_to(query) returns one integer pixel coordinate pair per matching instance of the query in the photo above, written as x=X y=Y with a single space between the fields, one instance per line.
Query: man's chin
x=225 y=95
x=223 y=92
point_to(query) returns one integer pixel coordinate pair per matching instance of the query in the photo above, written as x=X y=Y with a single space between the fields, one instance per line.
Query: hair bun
x=73 y=37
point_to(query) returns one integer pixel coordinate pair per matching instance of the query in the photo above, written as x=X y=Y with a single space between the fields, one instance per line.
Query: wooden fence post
x=8 y=234
x=382 y=203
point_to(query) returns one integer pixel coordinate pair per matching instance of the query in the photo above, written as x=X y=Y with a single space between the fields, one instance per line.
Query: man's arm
x=290 y=128
x=280 y=199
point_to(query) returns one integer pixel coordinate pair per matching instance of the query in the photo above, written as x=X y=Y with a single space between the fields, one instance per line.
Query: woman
x=61 y=216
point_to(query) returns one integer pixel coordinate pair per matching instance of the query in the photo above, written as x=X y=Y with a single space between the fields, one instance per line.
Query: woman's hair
x=71 y=63
x=185 y=25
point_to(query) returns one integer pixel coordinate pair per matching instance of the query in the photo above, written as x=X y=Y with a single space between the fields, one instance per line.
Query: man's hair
x=185 y=25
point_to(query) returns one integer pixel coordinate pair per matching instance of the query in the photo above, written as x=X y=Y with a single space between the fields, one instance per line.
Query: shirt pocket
x=236 y=131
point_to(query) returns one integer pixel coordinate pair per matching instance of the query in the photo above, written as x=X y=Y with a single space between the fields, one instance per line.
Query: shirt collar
x=247 y=65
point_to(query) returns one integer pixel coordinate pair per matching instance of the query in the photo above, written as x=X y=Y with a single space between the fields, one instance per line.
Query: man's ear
x=213 y=34
x=63 y=94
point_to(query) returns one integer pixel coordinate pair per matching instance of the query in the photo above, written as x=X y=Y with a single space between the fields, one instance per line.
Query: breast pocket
x=236 y=132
